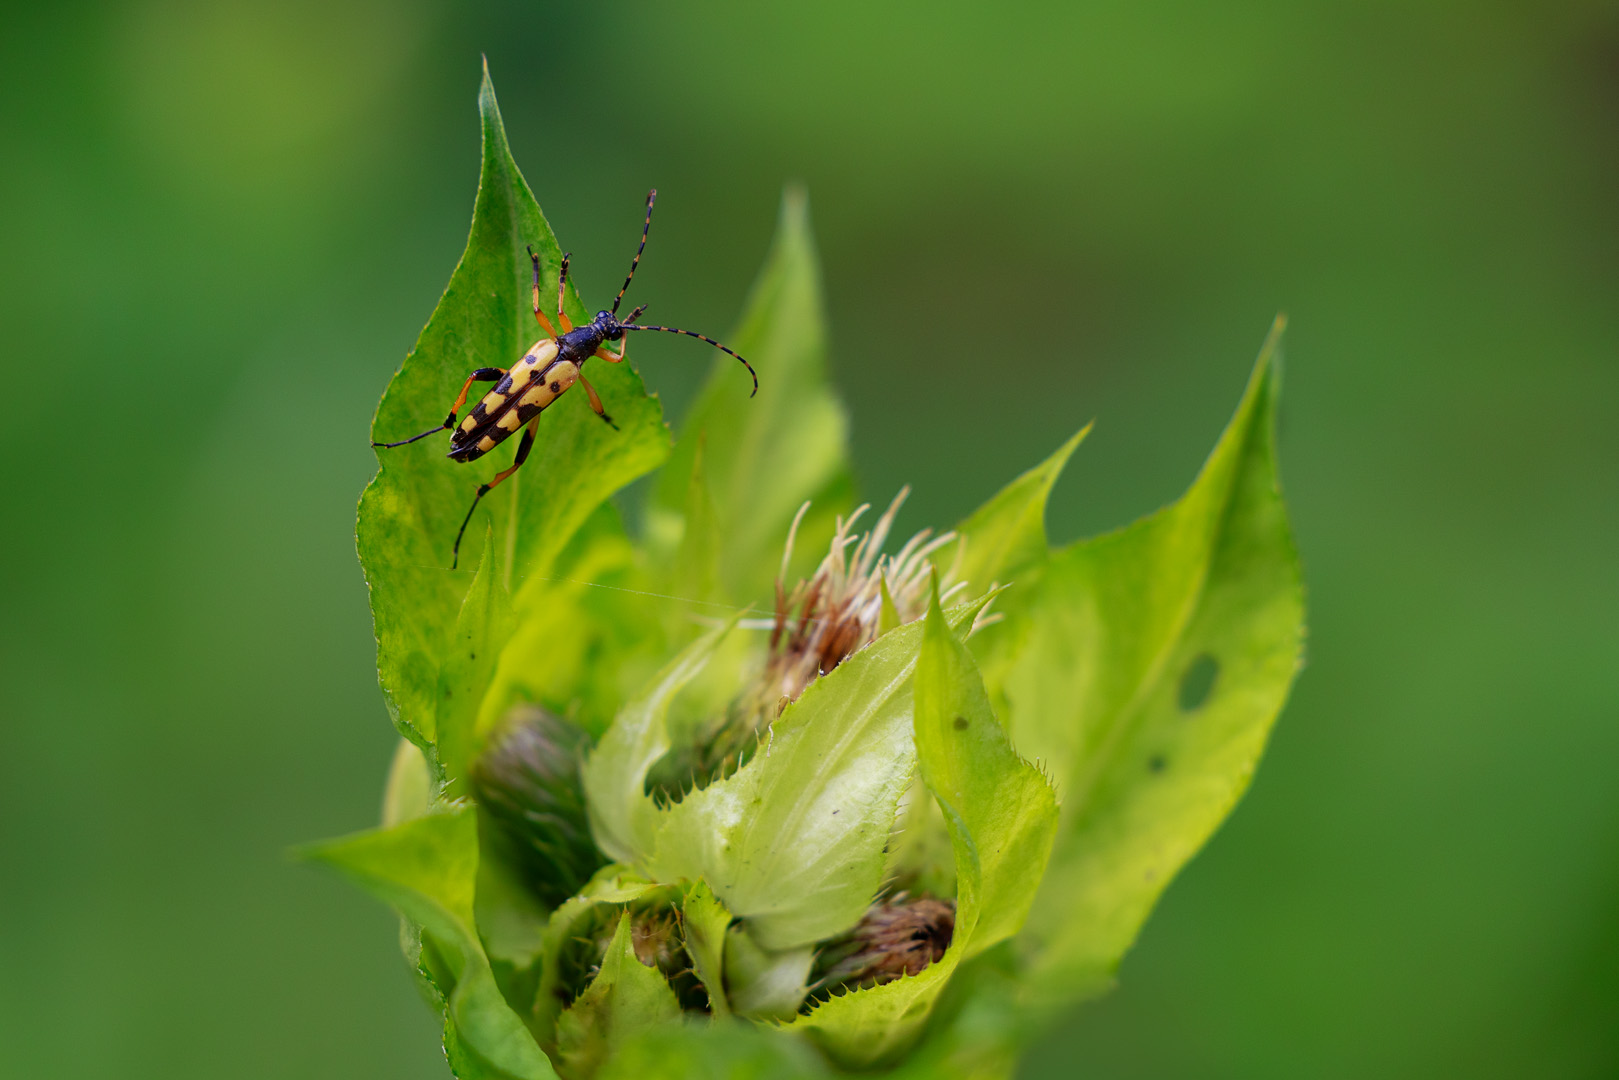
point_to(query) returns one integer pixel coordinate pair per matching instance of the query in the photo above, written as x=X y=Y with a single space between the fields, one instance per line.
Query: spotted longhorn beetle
x=551 y=365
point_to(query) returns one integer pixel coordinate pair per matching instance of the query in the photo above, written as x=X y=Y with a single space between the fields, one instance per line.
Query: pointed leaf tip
x=411 y=510
x=1006 y=537
x=1157 y=660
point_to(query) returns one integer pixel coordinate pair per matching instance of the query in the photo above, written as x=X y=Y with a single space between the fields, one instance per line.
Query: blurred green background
x=224 y=223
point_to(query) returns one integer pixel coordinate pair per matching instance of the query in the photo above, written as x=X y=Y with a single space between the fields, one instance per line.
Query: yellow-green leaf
x=703 y=922
x=410 y=512
x=1158 y=657
x=623 y=817
x=427 y=869
x=481 y=631
x=1001 y=815
x=625 y=999
x=765 y=455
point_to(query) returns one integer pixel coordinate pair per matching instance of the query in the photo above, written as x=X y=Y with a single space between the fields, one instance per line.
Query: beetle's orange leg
x=596 y=402
x=539 y=316
x=612 y=357
x=483 y=489
x=485 y=374
x=562 y=288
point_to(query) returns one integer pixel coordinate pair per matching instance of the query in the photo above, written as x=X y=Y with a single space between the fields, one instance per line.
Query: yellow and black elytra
x=545 y=373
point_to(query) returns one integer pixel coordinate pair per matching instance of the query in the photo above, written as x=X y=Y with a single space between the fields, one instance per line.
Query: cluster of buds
x=812 y=823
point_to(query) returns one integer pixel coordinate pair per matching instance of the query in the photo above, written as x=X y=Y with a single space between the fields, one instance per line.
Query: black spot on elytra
x=961 y=723
x=1198 y=682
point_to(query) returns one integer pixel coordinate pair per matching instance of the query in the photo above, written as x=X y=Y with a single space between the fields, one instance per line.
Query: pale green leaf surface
x=1123 y=621
x=481 y=630
x=427 y=869
x=1001 y=815
x=793 y=841
x=765 y=984
x=623 y=817
x=588 y=639
x=409 y=790
x=703 y=922
x=1004 y=541
x=717 y=1051
x=696 y=570
x=410 y=511
x=764 y=456
x=625 y=999
x=978 y=1025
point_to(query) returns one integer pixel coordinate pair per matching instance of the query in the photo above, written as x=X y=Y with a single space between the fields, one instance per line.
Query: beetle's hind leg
x=483 y=489
x=485 y=374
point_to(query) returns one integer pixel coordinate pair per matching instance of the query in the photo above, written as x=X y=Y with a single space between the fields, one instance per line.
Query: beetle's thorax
x=581 y=342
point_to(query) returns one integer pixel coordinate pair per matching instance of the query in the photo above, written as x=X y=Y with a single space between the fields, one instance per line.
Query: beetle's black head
x=608 y=324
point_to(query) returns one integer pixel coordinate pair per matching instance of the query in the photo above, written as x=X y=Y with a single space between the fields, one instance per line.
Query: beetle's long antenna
x=645 y=228
x=700 y=337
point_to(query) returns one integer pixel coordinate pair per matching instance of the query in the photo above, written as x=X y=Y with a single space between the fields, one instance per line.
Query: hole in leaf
x=1198 y=682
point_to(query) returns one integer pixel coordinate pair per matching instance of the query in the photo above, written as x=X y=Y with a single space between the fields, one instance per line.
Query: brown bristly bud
x=821 y=622
x=897 y=937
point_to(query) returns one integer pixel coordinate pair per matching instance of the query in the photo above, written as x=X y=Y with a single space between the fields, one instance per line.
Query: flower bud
x=897 y=937
x=527 y=782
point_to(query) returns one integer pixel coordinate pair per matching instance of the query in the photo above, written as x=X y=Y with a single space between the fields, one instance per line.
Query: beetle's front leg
x=611 y=357
x=562 y=291
x=485 y=374
x=539 y=316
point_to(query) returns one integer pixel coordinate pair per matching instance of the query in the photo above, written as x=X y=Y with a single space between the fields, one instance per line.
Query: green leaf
x=703 y=922
x=696 y=568
x=481 y=631
x=409 y=790
x=588 y=638
x=411 y=510
x=763 y=457
x=1124 y=628
x=611 y=885
x=625 y=999
x=1007 y=535
x=888 y=615
x=623 y=817
x=793 y=841
x=718 y=1051
x=1001 y=812
x=427 y=869
x=1001 y=815
x=765 y=984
